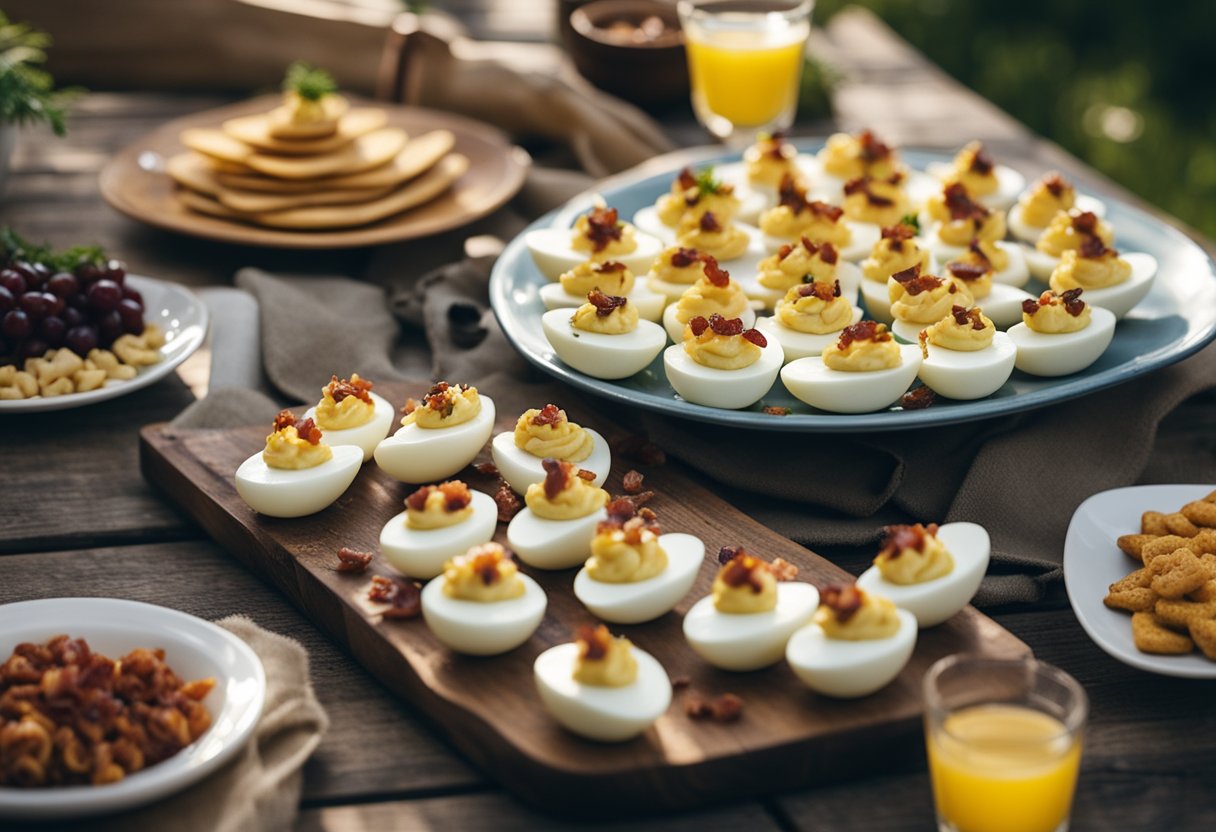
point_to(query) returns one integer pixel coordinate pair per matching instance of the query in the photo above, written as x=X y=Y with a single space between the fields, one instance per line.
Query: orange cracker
x=1132 y=544
x=1177 y=573
x=1150 y=636
x=1201 y=513
x=1204 y=634
x=1132 y=599
x=1183 y=613
x=1207 y=592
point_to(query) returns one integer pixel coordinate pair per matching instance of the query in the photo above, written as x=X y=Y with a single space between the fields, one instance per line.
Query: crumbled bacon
x=1055 y=184
x=507 y=502
x=1092 y=248
x=899 y=231
x=914 y=282
x=1073 y=304
x=382 y=590
x=743 y=569
x=727 y=708
x=558 y=474
x=308 y=431
x=872 y=150
x=791 y=195
x=895 y=539
x=775 y=410
x=1030 y=306
x=725 y=326
x=604 y=304
x=409 y=407
x=827 y=252
x=440 y=397
x=756 y=337
x=680 y=682
x=698 y=324
x=961 y=206
x=593 y=642
x=631 y=483
x=709 y=223
x=603 y=228
x=822 y=291
x=1085 y=222
x=686 y=179
x=285 y=419
x=714 y=273
x=350 y=560
x=981 y=162
x=966 y=270
x=783 y=570
x=642 y=498
x=621 y=509
x=488 y=469
x=608 y=267
x=844 y=600
x=683 y=257
x=823 y=209
x=862 y=186
x=863 y=331
x=550 y=414
x=339 y=389
x=485 y=561
x=406 y=601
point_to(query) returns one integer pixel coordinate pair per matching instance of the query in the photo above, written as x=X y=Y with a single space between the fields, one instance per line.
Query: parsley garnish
x=308 y=82
x=16 y=247
x=912 y=220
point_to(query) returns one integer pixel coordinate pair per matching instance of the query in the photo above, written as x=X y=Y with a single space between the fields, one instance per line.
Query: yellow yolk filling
x=617 y=322
x=783 y=222
x=616 y=561
x=285 y=450
x=885 y=260
x=1077 y=272
x=665 y=270
x=725 y=244
x=926 y=307
x=351 y=412
x=579 y=241
x=704 y=298
x=564 y=440
x=745 y=599
x=583 y=278
x=463 y=582
x=1060 y=235
x=721 y=352
x=616 y=669
x=776 y=273
x=875 y=618
x=857 y=206
x=841 y=157
x=1041 y=205
x=433 y=514
x=465 y=405
x=949 y=334
x=911 y=566
x=1054 y=319
x=862 y=356
x=812 y=315
x=763 y=168
x=578 y=499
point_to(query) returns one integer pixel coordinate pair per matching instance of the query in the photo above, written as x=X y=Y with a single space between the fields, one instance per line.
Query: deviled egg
x=795 y=216
x=1067 y=230
x=951 y=219
x=857 y=644
x=349 y=413
x=1061 y=334
x=543 y=434
x=964 y=357
x=880 y=202
x=721 y=364
x=610 y=277
x=1036 y=207
x=918 y=300
x=296 y=474
x=864 y=370
x=997 y=186
x=438 y=436
x=930 y=571
x=673 y=271
x=555 y=530
x=767 y=162
x=1110 y=280
x=483 y=605
x=799 y=262
x=598 y=235
x=846 y=157
x=635 y=572
x=992 y=274
x=604 y=337
x=439 y=522
x=896 y=250
x=691 y=195
x=602 y=687
x=749 y=616
x=713 y=293
x=808 y=319
x=740 y=245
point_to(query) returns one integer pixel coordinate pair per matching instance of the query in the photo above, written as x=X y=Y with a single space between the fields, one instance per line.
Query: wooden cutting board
x=788 y=737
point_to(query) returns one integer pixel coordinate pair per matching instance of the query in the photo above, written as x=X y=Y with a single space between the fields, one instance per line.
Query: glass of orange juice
x=1004 y=743
x=745 y=61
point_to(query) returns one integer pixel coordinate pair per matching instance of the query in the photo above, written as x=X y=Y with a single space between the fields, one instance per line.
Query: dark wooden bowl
x=645 y=72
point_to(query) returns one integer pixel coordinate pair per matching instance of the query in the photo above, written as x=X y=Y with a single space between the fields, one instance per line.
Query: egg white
x=965 y=376
x=1015 y=274
x=756 y=198
x=850 y=669
x=366 y=436
x=421 y=455
x=1028 y=233
x=838 y=391
x=1059 y=354
x=877 y=298
x=849 y=275
x=675 y=329
x=279 y=492
x=520 y=469
x=935 y=601
x=421 y=553
x=552 y=544
x=554 y=255
x=1002 y=305
x=863 y=237
x=726 y=389
x=1040 y=264
x=649 y=303
x=749 y=641
x=1009 y=184
x=601 y=713
x=1121 y=298
x=600 y=355
x=633 y=603
x=795 y=344
x=483 y=628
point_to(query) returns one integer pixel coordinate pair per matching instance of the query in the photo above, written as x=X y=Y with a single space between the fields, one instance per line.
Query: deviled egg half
x=602 y=687
x=610 y=277
x=439 y=522
x=1061 y=334
x=555 y=530
x=483 y=605
x=864 y=370
x=985 y=270
x=693 y=194
x=876 y=201
x=952 y=218
x=964 y=357
x=857 y=644
x=1110 y=280
x=1067 y=230
x=846 y=157
x=349 y=413
x=635 y=572
x=674 y=270
x=918 y=300
x=749 y=616
x=766 y=163
x=296 y=474
x=598 y=235
x=1039 y=204
x=548 y=434
x=930 y=571
x=721 y=364
x=809 y=318
x=801 y=262
x=439 y=435
x=896 y=251
x=713 y=293
x=997 y=186
x=795 y=216
x=604 y=338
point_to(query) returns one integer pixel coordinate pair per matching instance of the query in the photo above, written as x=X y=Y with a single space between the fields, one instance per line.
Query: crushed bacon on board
x=783 y=570
x=631 y=483
x=604 y=304
x=339 y=389
x=725 y=708
x=895 y=539
x=742 y=570
x=603 y=228
x=550 y=414
x=776 y=410
x=489 y=469
x=917 y=399
x=508 y=503
x=352 y=561
x=306 y=429
x=406 y=601
x=683 y=257
x=863 y=331
x=697 y=706
x=382 y=590
x=411 y=404
x=844 y=600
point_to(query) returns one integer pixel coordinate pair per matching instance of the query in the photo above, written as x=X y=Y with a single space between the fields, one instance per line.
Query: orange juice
x=749 y=78
x=1003 y=768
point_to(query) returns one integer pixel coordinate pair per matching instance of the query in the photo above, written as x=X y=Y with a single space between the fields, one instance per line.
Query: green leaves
x=706 y=184
x=27 y=92
x=308 y=82
x=912 y=220
x=16 y=247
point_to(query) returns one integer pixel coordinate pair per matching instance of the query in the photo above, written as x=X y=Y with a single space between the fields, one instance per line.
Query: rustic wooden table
x=76 y=517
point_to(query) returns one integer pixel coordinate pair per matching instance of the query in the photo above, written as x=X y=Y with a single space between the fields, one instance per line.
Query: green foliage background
x=1127 y=85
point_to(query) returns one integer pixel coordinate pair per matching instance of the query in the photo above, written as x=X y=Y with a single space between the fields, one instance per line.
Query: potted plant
x=27 y=91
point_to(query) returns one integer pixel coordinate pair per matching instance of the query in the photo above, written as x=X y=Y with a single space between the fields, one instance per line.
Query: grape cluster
x=44 y=306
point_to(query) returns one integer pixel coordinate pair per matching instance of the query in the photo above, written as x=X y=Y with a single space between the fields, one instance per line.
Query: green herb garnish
x=912 y=220
x=16 y=247
x=308 y=82
x=707 y=185
x=27 y=92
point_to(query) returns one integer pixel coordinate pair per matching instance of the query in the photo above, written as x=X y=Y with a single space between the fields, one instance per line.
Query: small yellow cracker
x=1151 y=637
x=1201 y=513
x=1183 y=613
x=1133 y=599
x=1133 y=544
x=1177 y=573
x=1204 y=633
x=1154 y=522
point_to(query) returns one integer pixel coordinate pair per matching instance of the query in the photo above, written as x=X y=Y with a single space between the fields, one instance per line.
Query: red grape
x=88 y=272
x=132 y=316
x=110 y=325
x=104 y=295
x=42 y=273
x=81 y=339
x=26 y=270
x=78 y=301
x=35 y=303
x=73 y=317
x=132 y=294
x=115 y=271
x=63 y=284
x=13 y=281
x=34 y=347
x=52 y=330
x=16 y=324
x=7 y=301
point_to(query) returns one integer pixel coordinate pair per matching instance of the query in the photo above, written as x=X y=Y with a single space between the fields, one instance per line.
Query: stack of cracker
x=1172 y=597
x=312 y=163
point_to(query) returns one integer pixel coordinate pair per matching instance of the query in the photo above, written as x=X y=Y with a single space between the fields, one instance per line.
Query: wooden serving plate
x=488 y=708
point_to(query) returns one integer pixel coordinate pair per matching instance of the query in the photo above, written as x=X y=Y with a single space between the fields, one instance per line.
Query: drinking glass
x=1004 y=743
x=745 y=61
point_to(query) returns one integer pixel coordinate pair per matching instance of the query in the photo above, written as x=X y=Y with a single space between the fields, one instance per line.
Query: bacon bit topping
x=624 y=514
x=352 y=561
x=1071 y=300
x=981 y=162
x=917 y=399
x=486 y=558
x=962 y=316
x=961 y=206
x=680 y=682
x=584 y=474
x=409 y=407
x=823 y=209
x=550 y=414
x=639 y=449
x=558 y=476
x=756 y=337
x=697 y=706
x=1055 y=184
x=1092 y=248
x=862 y=186
x=603 y=228
x=1073 y=304
x=727 y=553
x=793 y=196
x=382 y=590
x=456 y=496
x=604 y=304
x=306 y=429
x=709 y=223
x=827 y=252
x=783 y=570
x=508 y=503
x=1030 y=306
x=899 y=231
x=339 y=389
x=687 y=179
x=698 y=324
x=608 y=267
x=727 y=708
x=593 y=642
x=743 y=569
x=406 y=601
x=439 y=397
x=714 y=273
x=488 y=469
x=776 y=410
x=914 y=282
x=895 y=539
x=872 y=150
x=725 y=326
x=631 y=483
x=774 y=145
x=966 y=270
x=844 y=600
x=863 y=331
x=644 y=512
x=683 y=257
x=1086 y=222
x=822 y=291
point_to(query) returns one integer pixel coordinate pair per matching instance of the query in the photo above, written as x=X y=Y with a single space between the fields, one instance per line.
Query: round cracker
x=216 y=144
x=284 y=126
x=193 y=171
x=254 y=130
x=206 y=205
x=254 y=203
x=366 y=152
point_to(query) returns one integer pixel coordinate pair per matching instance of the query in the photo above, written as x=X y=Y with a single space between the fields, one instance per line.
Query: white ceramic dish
x=194 y=648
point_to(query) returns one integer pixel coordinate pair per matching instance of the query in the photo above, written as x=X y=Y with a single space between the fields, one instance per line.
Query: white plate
x=177 y=311
x=194 y=648
x=1092 y=562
